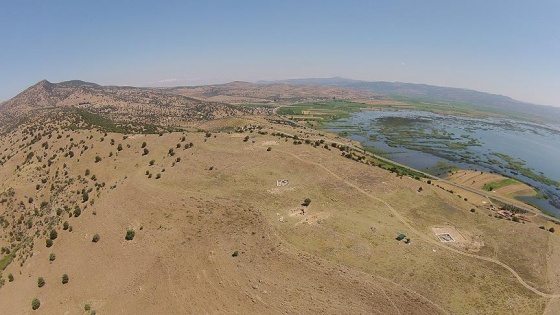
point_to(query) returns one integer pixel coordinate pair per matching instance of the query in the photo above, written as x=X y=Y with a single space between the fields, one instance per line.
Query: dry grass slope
x=194 y=198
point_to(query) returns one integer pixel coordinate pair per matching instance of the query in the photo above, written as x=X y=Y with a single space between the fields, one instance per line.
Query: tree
x=130 y=235
x=87 y=172
x=35 y=304
x=152 y=162
x=119 y=147
x=306 y=202
x=246 y=139
x=97 y=159
x=10 y=277
x=143 y=145
x=52 y=257
x=49 y=242
x=65 y=279
x=85 y=196
x=65 y=225
x=53 y=235
x=551 y=230
x=77 y=212
x=95 y=238
x=146 y=151
x=40 y=282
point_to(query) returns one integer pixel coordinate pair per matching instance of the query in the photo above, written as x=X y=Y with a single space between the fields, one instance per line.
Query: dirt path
x=425 y=237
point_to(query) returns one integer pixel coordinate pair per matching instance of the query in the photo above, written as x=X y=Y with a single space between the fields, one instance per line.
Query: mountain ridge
x=434 y=93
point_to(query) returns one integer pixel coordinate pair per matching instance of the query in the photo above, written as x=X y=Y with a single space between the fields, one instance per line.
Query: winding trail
x=423 y=236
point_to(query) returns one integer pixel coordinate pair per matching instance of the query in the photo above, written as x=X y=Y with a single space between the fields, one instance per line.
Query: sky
x=503 y=47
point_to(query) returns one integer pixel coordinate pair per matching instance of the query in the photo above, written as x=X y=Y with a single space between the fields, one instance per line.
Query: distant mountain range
x=434 y=93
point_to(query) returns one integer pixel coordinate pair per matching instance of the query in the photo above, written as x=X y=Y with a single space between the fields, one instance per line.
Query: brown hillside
x=220 y=226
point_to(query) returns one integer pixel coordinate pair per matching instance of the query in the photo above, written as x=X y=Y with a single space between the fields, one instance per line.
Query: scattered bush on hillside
x=65 y=225
x=35 y=304
x=119 y=147
x=146 y=151
x=152 y=162
x=49 y=242
x=130 y=235
x=97 y=159
x=95 y=238
x=87 y=172
x=143 y=145
x=52 y=257
x=269 y=149
x=235 y=254
x=10 y=277
x=65 y=279
x=551 y=230
x=306 y=202
x=40 y=282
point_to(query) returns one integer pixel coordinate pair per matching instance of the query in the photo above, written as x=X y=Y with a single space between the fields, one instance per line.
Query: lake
x=438 y=143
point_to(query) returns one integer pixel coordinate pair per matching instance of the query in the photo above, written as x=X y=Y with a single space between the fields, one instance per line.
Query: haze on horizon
x=492 y=46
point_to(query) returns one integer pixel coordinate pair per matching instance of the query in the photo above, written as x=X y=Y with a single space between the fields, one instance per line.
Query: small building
x=400 y=237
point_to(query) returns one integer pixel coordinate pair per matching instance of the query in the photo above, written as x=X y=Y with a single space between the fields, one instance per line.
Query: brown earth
x=215 y=234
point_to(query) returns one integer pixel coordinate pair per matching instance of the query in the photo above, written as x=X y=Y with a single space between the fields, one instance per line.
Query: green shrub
x=146 y=151
x=306 y=202
x=40 y=282
x=35 y=304
x=10 y=277
x=52 y=257
x=235 y=254
x=87 y=172
x=49 y=242
x=95 y=238
x=65 y=279
x=143 y=145
x=130 y=235
x=77 y=212
x=65 y=225
x=53 y=235
x=551 y=230
x=97 y=159
x=152 y=162
x=87 y=307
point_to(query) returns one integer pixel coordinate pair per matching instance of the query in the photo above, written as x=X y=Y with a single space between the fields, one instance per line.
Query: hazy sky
x=503 y=47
